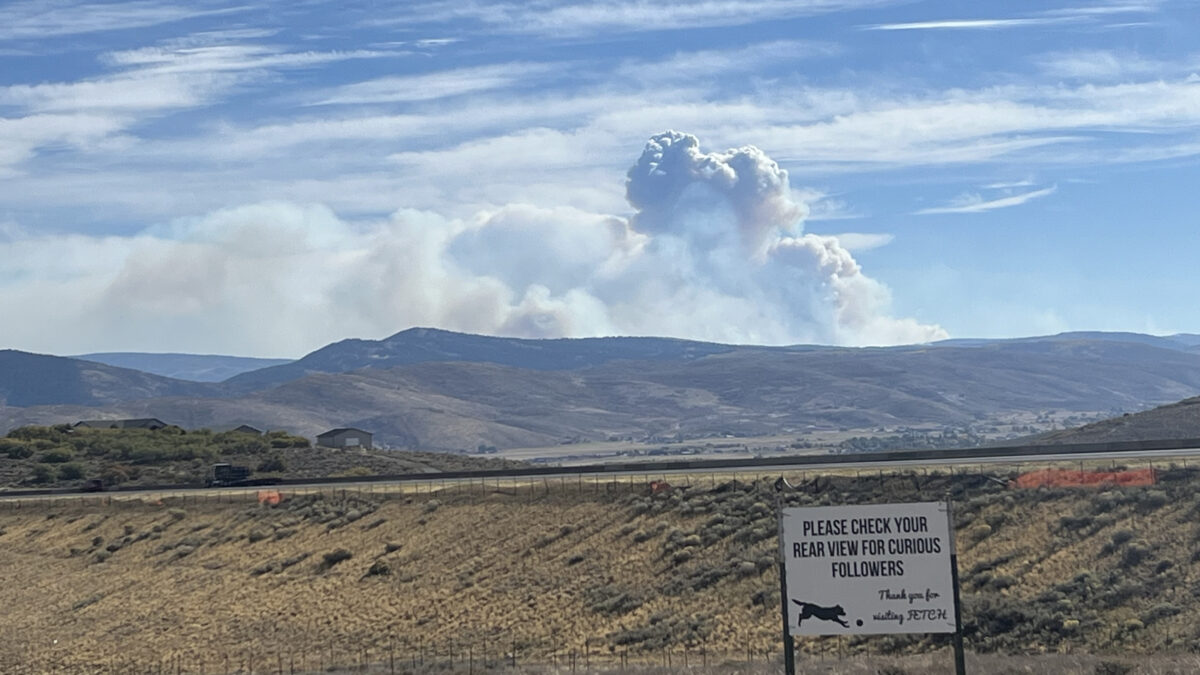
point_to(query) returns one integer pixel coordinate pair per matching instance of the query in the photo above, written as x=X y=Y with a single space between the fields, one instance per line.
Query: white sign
x=859 y=570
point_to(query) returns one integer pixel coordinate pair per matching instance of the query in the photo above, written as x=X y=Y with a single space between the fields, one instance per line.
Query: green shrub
x=44 y=473
x=1134 y=555
x=71 y=471
x=613 y=600
x=114 y=474
x=15 y=450
x=1160 y=611
x=1112 y=668
x=335 y=557
x=57 y=456
x=379 y=568
x=272 y=464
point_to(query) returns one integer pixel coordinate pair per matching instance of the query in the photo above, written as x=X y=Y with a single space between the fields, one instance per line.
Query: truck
x=225 y=474
x=232 y=475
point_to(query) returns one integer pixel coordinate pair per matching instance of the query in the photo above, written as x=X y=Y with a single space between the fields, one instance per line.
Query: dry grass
x=457 y=573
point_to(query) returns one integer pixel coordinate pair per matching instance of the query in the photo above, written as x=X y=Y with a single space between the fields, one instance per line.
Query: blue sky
x=264 y=178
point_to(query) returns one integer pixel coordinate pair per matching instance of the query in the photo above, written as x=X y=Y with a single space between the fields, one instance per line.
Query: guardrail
x=698 y=465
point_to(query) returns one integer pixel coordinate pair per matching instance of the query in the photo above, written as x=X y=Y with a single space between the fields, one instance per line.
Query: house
x=245 y=429
x=345 y=437
x=135 y=423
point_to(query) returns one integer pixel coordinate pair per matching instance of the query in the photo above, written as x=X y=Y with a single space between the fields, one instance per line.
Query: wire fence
x=399 y=654
x=307 y=650
x=598 y=485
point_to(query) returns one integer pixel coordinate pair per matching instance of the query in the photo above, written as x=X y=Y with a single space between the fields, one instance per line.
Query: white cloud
x=863 y=241
x=430 y=86
x=157 y=78
x=580 y=18
x=20 y=138
x=973 y=203
x=41 y=19
x=150 y=81
x=1043 y=18
x=968 y=24
x=1101 y=65
x=1007 y=185
x=688 y=66
x=1108 y=8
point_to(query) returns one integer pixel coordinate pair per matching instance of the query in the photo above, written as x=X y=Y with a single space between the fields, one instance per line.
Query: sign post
x=960 y=659
x=870 y=570
x=789 y=656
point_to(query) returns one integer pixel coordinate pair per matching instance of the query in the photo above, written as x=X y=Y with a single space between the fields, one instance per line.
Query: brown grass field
x=1071 y=580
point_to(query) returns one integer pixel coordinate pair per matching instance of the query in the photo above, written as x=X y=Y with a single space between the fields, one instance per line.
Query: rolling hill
x=742 y=392
x=1175 y=420
x=37 y=379
x=428 y=345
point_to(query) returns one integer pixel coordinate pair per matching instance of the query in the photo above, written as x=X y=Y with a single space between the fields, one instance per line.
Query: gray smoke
x=715 y=250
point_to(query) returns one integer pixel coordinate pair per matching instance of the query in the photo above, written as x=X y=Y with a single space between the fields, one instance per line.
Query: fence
x=600 y=484
x=305 y=649
x=500 y=652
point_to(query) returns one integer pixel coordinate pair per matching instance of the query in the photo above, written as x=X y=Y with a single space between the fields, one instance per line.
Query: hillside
x=1176 y=420
x=459 y=406
x=549 y=568
x=194 y=367
x=426 y=345
x=64 y=457
x=429 y=345
x=1178 y=341
x=37 y=379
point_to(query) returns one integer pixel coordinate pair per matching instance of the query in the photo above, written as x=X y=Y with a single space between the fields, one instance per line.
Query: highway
x=897 y=459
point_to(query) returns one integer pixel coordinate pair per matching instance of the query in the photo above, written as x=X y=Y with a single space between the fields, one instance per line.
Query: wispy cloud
x=1043 y=18
x=157 y=78
x=581 y=18
x=711 y=63
x=973 y=203
x=1107 y=9
x=1008 y=185
x=431 y=86
x=969 y=24
x=36 y=19
x=857 y=242
x=1101 y=64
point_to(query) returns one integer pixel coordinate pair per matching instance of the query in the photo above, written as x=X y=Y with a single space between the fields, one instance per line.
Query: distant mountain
x=194 y=367
x=742 y=391
x=37 y=379
x=425 y=345
x=430 y=345
x=1179 y=341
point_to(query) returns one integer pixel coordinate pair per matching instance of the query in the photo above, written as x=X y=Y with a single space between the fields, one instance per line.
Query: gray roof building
x=134 y=423
x=345 y=437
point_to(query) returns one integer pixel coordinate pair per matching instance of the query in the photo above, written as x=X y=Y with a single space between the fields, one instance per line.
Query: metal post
x=789 y=659
x=960 y=663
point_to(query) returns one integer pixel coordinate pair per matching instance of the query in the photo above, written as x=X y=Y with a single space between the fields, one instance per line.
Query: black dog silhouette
x=809 y=610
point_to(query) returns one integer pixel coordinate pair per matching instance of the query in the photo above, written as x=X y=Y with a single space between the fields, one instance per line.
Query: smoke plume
x=714 y=250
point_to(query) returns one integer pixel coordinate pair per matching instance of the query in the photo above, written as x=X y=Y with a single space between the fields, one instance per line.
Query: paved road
x=1143 y=451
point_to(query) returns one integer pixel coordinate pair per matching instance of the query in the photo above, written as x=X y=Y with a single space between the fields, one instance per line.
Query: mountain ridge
x=746 y=392
x=421 y=345
x=28 y=379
